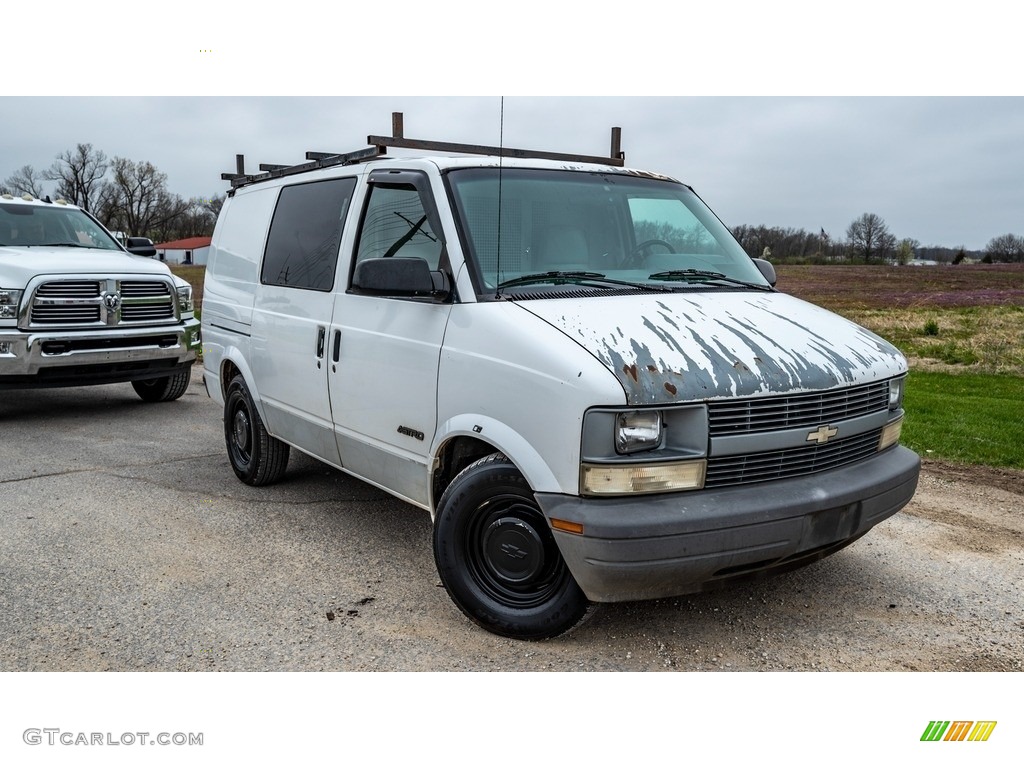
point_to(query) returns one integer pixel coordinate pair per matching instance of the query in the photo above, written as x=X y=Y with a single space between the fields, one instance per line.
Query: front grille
x=790 y=462
x=144 y=301
x=111 y=302
x=810 y=409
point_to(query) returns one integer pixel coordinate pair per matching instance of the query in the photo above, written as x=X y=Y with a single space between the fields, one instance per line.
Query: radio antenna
x=501 y=146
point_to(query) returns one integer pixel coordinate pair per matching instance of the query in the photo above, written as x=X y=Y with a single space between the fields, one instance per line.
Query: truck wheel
x=497 y=558
x=256 y=457
x=163 y=389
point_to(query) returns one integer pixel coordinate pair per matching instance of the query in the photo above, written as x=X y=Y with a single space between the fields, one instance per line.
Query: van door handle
x=321 y=335
x=336 y=355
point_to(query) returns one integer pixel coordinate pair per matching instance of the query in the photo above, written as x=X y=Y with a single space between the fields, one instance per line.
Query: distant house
x=191 y=250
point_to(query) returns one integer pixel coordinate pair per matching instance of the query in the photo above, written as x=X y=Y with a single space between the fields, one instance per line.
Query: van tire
x=487 y=511
x=164 y=389
x=256 y=457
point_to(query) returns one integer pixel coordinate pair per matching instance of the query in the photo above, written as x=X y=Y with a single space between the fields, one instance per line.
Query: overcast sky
x=728 y=98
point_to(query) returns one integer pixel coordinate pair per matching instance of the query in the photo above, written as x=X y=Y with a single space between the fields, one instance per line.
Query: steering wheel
x=633 y=258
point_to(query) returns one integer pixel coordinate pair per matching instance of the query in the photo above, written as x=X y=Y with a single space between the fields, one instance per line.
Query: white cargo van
x=571 y=365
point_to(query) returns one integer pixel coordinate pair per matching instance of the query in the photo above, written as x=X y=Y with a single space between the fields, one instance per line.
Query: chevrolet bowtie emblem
x=822 y=434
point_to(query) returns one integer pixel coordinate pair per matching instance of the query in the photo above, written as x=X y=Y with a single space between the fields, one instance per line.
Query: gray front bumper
x=63 y=358
x=673 y=544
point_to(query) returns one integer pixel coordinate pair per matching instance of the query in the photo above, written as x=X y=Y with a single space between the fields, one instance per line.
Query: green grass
x=965 y=418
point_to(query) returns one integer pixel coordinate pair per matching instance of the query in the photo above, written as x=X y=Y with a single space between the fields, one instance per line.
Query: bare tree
x=25 y=180
x=79 y=175
x=198 y=220
x=138 y=201
x=1005 y=248
x=213 y=205
x=870 y=238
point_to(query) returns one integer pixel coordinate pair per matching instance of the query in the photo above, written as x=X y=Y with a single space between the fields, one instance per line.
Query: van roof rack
x=379 y=144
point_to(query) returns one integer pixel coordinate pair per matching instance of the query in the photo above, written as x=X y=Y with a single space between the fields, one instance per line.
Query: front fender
x=505 y=439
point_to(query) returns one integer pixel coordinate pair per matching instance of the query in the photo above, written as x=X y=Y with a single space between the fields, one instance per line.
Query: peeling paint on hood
x=681 y=347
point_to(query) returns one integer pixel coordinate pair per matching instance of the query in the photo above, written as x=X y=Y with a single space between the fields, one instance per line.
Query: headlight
x=622 y=479
x=637 y=431
x=184 y=298
x=9 y=301
x=896 y=393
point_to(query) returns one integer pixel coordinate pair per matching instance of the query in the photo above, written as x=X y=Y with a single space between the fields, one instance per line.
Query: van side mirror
x=399 y=276
x=140 y=246
x=767 y=270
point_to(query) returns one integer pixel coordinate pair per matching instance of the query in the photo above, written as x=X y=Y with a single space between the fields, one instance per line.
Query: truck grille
x=809 y=409
x=146 y=301
x=791 y=462
x=110 y=302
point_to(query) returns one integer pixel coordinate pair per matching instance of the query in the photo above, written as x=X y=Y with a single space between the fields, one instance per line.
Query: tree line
x=867 y=241
x=132 y=197
x=125 y=195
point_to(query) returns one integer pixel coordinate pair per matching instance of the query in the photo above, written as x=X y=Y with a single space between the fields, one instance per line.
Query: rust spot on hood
x=631 y=371
x=670 y=388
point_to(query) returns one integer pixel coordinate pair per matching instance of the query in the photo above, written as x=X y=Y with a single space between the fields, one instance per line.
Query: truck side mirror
x=399 y=276
x=140 y=246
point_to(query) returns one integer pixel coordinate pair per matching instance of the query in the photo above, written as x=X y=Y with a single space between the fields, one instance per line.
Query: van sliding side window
x=305 y=234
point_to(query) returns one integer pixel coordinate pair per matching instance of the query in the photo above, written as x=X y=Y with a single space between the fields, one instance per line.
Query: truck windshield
x=37 y=225
x=593 y=229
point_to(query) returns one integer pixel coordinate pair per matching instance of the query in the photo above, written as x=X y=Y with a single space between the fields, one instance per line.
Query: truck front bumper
x=673 y=544
x=73 y=358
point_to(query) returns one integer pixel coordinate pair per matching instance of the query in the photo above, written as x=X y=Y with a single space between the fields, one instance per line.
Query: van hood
x=668 y=348
x=21 y=264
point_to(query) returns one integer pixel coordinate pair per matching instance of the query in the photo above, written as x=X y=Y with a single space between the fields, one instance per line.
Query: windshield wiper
x=558 y=277
x=704 y=274
x=63 y=245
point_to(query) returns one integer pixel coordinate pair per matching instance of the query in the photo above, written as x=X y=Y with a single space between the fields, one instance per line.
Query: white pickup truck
x=77 y=307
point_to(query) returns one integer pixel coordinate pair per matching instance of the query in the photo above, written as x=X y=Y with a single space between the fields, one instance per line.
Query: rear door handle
x=336 y=354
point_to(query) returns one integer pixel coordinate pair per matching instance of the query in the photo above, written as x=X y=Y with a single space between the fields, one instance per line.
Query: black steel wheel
x=256 y=457
x=164 y=389
x=497 y=558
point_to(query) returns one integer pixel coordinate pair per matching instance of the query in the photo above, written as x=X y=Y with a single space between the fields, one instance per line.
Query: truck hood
x=668 y=348
x=19 y=265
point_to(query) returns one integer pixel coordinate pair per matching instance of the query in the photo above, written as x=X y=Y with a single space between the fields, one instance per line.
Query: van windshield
x=37 y=225
x=593 y=229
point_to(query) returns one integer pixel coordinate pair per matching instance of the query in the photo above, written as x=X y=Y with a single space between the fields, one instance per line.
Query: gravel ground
x=128 y=544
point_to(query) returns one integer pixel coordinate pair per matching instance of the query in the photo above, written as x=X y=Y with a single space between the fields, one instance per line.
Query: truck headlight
x=184 y=298
x=896 y=393
x=9 y=301
x=637 y=431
